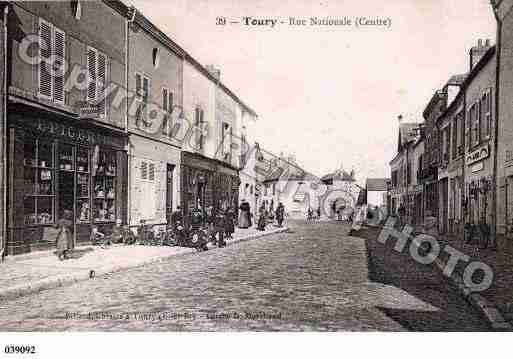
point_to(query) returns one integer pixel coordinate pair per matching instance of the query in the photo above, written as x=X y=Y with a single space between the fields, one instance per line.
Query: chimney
x=477 y=52
x=214 y=71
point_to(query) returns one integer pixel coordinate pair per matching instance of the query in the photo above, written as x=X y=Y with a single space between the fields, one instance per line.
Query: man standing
x=280 y=214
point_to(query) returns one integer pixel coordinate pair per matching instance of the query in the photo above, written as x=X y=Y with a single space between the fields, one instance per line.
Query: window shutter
x=164 y=99
x=45 y=50
x=151 y=172
x=102 y=80
x=146 y=89
x=144 y=170
x=170 y=102
x=138 y=85
x=59 y=54
x=91 y=68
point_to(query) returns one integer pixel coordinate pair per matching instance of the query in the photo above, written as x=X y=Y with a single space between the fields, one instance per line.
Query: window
x=97 y=64
x=487 y=113
x=76 y=9
x=142 y=95
x=226 y=140
x=104 y=190
x=199 y=122
x=39 y=174
x=52 y=52
x=455 y=133
x=167 y=106
x=155 y=57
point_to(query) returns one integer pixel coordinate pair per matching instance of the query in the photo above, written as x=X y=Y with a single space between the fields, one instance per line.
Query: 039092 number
x=20 y=349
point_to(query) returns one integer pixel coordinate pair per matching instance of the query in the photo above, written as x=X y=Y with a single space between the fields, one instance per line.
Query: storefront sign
x=477 y=167
x=72 y=133
x=478 y=155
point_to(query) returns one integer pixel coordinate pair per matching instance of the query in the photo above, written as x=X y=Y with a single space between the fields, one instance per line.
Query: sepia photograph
x=214 y=167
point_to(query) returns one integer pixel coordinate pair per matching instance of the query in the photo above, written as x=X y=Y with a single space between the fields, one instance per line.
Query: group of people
x=266 y=215
x=313 y=216
x=218 y=223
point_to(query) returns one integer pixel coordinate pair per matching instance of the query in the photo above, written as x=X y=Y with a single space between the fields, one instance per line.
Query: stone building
x=66 y=139
x=155 y=77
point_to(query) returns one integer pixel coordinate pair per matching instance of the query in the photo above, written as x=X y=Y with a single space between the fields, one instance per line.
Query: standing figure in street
x=271 y=212
x=319 y=213
x=229 y=223
x=309 y=215
x=280 y=214
x=65 y=235
x=262 y=216
x=245 y=215
x=401 y=211
x=219 y=228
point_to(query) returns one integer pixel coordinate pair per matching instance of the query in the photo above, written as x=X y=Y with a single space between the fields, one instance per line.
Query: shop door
x=169 y=191
x=66 y=183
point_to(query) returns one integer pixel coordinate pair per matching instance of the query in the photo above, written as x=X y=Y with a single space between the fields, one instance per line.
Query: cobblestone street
x=313 y=278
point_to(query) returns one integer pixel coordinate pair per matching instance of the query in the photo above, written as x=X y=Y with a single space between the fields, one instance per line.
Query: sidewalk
x=500 y=260
x=26 y=274
x=496 y=302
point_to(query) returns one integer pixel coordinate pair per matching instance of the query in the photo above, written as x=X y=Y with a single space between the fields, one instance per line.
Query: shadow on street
x=424 y=282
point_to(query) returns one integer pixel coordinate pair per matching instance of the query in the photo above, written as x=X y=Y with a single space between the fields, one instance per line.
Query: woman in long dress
x=245 y=215
x=64 y=241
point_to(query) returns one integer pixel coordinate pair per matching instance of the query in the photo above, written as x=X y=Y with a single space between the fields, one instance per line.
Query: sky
x=330 y=95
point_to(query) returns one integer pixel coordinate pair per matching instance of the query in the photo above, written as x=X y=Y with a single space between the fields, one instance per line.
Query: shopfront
x=60 y=165
x=208 y=183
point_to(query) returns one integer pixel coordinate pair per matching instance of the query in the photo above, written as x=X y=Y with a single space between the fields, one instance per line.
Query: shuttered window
x=144 y=170
x=167 y=106
x=52 y=52
x=151 y=171
x=59 y=52
x=97 y=65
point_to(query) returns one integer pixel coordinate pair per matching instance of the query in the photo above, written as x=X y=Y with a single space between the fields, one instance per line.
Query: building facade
x=155 y=78
x=66 y=142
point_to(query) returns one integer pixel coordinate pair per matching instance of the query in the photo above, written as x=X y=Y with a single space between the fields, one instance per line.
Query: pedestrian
x=117 y=232
x=262 y=216
x=64 y=241
x=271 y=212
x=245 y=215
x=219 y=228
x=401 y=211
x=176 y=217
x=229 y=225
x=319 y=213
x=280 y=214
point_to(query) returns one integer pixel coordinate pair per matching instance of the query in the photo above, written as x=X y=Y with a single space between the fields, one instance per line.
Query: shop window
x=83 y=195
x=52 y=52
x=39 y=175
x=97 y=64
x=104 y=185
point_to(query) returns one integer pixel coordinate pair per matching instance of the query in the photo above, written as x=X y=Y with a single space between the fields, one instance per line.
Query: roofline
x=159 y=35
x=431 y=103
x=487 y=57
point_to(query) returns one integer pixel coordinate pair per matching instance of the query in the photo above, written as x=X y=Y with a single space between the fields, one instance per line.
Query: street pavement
x=314 y=278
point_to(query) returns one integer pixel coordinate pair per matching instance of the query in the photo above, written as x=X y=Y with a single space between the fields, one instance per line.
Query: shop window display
x=104 y=185
x=39 y=175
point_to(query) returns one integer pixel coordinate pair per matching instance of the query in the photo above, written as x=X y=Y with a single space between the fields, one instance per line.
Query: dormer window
x=155 y=57
x=76 y=9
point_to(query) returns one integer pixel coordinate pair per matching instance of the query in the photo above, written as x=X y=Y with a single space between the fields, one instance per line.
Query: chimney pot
x=487 y=43
x=480 y=43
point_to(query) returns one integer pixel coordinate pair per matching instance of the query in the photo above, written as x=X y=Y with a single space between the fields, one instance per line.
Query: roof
x=407 y=132
x=457 y=79
x=340 y=175
x=145 y=22
x=376 y=184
